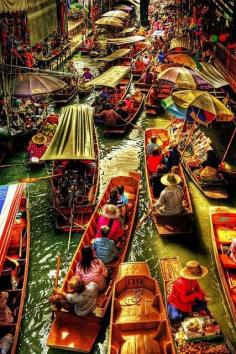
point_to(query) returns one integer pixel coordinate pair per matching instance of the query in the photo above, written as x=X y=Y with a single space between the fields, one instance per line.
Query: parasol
x=117 y=14
x=169 y=105
x=109 y=21
x=34 y=84
x=183 y=78
x=182 y=59
x=163 y=67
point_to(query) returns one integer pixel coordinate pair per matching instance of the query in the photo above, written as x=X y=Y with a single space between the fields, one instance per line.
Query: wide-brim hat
x=193 y=270
x=86 y=69
x=39 y=139
x=111 y=211
x=208 y=172
x=170 y=179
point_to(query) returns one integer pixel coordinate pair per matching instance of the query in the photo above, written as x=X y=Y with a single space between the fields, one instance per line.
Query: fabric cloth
x=233 y=250
x=85 y=302
x=153 y=162
x=116 y=230
x=105 y=249
x=128 y=103
x=97 y=273
x=5 y=312
x=184 y=294
x=110 y=117
x=36 y=150
x=171 y=201
x=173 y=159
x=150 y=147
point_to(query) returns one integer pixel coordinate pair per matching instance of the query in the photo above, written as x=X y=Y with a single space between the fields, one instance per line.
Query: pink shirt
x=116 y=229
x=97 y=273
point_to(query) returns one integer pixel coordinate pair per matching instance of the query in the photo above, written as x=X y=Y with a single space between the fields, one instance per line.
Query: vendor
x=186 y=295
x=87 y=75
x=37 y=147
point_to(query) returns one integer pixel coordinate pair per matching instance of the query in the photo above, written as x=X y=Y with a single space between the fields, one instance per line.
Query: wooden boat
x=211 y=336
x=144 y=88
x=47 y=129
x=176 y=224
x=66 y=95
x=71 y=332
x=14 y=255
x=139 y=323
x=164 y=90
x=137 y=72
x=74 y=151
x=223 y=230
x=127 y=124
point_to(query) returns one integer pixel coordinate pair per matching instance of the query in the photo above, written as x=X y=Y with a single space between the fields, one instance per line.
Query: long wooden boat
x=74 y=151
x=71 y=332
x=66 y=95
x=14 y=255
x=48 y=129
x=139 y=323
x=209 y=334
x=144 y=88
x=122 y=128
x=137 y=72
x=223 y=231
x=176 y=224
x=164 y=90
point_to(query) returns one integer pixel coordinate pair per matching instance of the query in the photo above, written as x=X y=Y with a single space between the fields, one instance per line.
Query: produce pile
x=203 y=348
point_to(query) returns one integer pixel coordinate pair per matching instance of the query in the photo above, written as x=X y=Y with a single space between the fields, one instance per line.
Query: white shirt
x=170 y=201
x=86 y=301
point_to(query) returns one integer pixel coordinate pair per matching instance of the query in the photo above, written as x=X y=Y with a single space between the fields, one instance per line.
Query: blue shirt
x=105 y=249
x=124 y=199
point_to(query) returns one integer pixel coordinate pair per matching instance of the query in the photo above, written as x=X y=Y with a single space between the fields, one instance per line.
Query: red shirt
x=183 y=294
x=153 y=162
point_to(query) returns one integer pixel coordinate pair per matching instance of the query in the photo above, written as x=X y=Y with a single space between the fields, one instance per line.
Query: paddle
x=83 y=227
x=71 y=226
x=16 y=164
x=32 y=179
x=144 y=217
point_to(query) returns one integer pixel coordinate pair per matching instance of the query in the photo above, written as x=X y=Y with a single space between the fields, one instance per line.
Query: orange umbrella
x=182 y=59
x=163 y=67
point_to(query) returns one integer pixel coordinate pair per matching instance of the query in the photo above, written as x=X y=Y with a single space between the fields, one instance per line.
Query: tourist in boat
x=152 y=145
x=172 y=156
x=110 y=116
x=153 y=96
x=170 y=201
x=123 y=113
x=110 y=217
x=71 y=68
x=157 y=186
x=146 y=60
x=104 y=248
x=91 y=269
x=154 y=160
x=6 y=316
x=161 y=57
x=118 y=199
x=139 y=65
x=128 y=103
x=137 y=96
x=37 y=147
x=147 y=77
x=122 y=197
x=186 y=295
x=81 y=297
x=87 y=75
x=232 y=250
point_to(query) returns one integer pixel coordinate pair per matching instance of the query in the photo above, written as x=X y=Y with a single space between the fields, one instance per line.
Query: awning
x=19 y=5
x=180 y=42
x=115 y=55
x=74 y=137
x=10 y=197
x=126 y=40
x=128 y=30
x=111 y=77
x=212 y=75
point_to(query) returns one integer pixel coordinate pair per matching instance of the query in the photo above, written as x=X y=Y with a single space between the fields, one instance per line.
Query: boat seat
x=225 y=233
x=227 y=262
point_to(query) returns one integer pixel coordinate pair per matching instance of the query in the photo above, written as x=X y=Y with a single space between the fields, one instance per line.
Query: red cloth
x=139 y=65
x=36 y=150
x=153 y=162
x=116 y=229
x=183 y=294
x=128 y=104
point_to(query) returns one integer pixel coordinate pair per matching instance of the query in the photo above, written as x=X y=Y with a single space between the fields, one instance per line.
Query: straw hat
x=39 y=139
x=111 y=211
x=208 y=172
x=193 y=270
x=75 y=284
x=86 y=69
x=170 y=179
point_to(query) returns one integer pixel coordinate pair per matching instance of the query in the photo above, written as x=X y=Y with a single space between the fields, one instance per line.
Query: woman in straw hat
x=186 y=296
x=37 y=147
x=110 y=217
x=170 y=201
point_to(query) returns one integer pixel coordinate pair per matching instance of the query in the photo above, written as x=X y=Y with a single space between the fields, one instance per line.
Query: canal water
x=118 y=156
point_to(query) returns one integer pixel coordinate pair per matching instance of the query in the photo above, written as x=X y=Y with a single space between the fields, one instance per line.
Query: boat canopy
x=111 y=77
x=10 y=198
x=212 y=75
x=116 y=55
x=74 y=137
x=128 y=30
x=180 y=42
x=126 y=40
x=19 y=5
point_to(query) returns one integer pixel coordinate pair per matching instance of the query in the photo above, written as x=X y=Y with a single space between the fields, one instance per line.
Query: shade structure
x=126 y=40
x=205 y=102
x=169 y=105
x=128 y=30
x=74 y=137
x=182 y=59
x=160 y=68
x=117 y=14
x=183 y=78
x=111 y=77
x=35 y=84
x=10 y=198
x=119 y=53
x=212 y=75
x=180 y=42
x=109 y=21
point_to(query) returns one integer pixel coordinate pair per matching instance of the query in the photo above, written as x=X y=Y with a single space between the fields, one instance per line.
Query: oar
x=16 y=164
x=144 y=217
x=58 y=264
x=71 y=226
x=32 y=180
x=83 y=227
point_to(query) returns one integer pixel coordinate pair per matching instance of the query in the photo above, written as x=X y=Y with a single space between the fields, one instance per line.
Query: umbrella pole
x=187 y=142
x=229 y=145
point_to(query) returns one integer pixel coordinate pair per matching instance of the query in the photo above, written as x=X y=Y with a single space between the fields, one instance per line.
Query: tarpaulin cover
x=19 y=5
x=212 y=75
x=74 y=137
x=10 y=198
x=115 y=55
x=180 y=42
x=111 y=77
x=126 y=40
